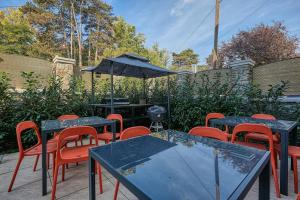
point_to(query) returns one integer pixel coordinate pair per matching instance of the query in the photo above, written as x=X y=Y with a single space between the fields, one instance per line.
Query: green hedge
x=190 y=101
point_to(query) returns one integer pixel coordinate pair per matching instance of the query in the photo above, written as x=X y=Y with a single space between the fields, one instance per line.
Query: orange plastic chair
x=35 y=150
x=259 y=129
x=294 y=152
x=74 y=138
x=210 y=116
x=260 y=137
x=65 y=155
x=128 y=133
x=209 y=132
x=108 y=136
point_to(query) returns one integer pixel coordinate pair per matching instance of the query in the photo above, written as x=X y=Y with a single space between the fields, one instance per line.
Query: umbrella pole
x=112 y=88
x=169 y=115
x=144 y=87
x=93 y=89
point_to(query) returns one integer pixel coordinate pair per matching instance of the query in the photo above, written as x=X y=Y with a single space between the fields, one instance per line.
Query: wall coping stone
x=63 y=60
x=239 y=63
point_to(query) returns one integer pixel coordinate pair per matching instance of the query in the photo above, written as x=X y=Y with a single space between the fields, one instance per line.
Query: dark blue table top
x=275 y=125
x=50 y=126
x=175 y=165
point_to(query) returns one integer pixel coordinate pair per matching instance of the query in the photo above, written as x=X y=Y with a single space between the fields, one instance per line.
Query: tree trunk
x=89 y=53
x=78 y=34
x=71 y=33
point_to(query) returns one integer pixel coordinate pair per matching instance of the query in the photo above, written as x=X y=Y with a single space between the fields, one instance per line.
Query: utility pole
x=215 y=50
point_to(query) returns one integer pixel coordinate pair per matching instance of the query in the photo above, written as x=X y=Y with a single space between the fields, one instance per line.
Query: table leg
x=92 y=182
x=293 y=142
x=264 y=183
x=284 y=164
x=44 y=165
x=113 y=129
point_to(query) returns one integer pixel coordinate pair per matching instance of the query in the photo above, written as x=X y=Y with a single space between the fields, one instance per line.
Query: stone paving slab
x=28 y=184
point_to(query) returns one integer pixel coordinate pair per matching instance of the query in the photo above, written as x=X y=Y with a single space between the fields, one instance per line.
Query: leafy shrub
x=191 y=100
x=6 y=111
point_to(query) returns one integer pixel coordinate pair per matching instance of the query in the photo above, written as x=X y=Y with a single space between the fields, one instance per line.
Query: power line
x=200 y=24
x=245 y=18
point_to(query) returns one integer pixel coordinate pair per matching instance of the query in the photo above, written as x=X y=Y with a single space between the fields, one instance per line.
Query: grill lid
x=156 y=110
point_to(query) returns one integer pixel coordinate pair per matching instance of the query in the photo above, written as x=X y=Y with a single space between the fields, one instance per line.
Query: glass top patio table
x=286 y=129
x=51 y=126
x=275 y=125
x=175 y=165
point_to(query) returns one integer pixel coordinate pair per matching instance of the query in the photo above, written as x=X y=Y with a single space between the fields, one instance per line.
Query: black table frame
x=284 y=141
x=262 y=170
x=44 y=134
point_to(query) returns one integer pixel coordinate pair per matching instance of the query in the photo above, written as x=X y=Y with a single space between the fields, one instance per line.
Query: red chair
x=209 y=132
x=74 y=138
x=259 y=129
x=128 y=133
x=294 y=152
x=298 y=197
x=35 y=150
x=65 y=155
x=260 y=137
x=108 y=136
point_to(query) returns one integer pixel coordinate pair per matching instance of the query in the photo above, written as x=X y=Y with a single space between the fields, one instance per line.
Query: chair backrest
x=263 y=116
x=256 y=128
x=117 y=117
x=67 y=117
x=23 y=126
x=209 y=132
x=75 y=131
x=134 y=132
x=214 y=116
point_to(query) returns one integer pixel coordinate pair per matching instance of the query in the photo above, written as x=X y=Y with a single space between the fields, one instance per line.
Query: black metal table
x=175 y=165
x=50 y=126
x=133 y=108
x=283 y=127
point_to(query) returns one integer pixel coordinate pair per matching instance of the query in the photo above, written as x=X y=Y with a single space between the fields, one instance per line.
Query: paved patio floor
x=28 y=184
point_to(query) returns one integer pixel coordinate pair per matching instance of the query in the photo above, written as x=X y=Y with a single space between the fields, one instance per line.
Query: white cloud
x=179 y=6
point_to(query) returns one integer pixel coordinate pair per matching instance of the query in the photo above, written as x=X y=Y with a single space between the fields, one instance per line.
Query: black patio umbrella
x=129 y=65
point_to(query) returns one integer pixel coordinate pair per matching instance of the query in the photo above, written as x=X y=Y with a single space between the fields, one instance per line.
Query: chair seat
x=248 y=144
x=107 y=136
x=37 y=150
x=80 y=153
x=294 y=151
x=68 y=139
x=261 y=137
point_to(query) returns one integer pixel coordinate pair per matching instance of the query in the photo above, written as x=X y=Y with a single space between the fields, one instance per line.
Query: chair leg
x=54 y=182
x=90 y=140
x=116 y=190
x=36 y=162
x=81 y=140
x=15 y=173
x=275 y=158
x=76 y=145
x=53 y=164
x=100 y=178
x=295 y=167
x=275 y=177
x=63 y=173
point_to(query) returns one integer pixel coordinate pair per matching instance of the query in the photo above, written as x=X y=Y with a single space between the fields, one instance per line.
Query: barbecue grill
x=157 y=114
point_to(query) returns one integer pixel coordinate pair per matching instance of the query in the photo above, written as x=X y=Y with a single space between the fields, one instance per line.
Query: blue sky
x=179 y=24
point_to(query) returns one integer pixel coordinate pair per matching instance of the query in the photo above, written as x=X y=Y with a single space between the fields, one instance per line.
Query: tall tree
x=263 y=44
x=185 y=59
x=16 y=34
x=125 y=39
x=99 y=27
